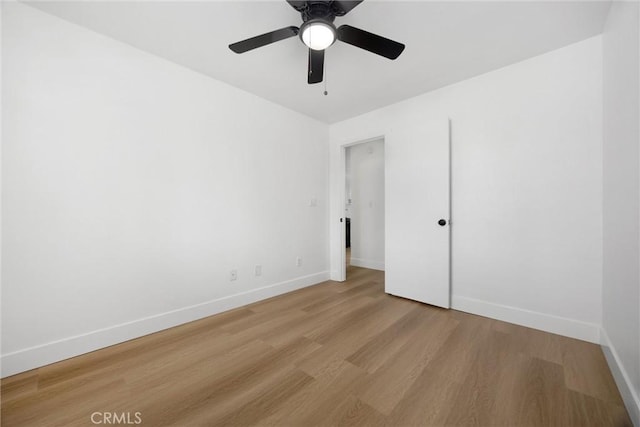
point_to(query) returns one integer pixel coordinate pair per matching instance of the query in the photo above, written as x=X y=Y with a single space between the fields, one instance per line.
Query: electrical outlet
x=258 y=270
x=234 y=275
x=299 y=261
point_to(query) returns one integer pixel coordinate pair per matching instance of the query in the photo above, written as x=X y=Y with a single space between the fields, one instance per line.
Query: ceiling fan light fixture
x=318 y=34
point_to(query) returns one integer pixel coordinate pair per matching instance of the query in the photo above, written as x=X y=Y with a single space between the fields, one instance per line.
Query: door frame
x=342 y=177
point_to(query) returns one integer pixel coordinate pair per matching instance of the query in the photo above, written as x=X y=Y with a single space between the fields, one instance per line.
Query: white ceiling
x=446 y=42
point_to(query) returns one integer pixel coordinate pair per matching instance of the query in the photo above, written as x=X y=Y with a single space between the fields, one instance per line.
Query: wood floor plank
x=78 y=400
x=455 y=356
x=543 y=345
x=18 y=385
x=353 y=412
x=312 y=321
x=331 y=354
x=266 y=403
x=207 y=390
x=295 y=299
x=322 y=395
x=335 y=385
x=584 y=410
x=479 y=388
x=196 y=372
x=132 y=352
x=535 y=392
x=334 y=302
x=386 y=344
x=428 y=402
x=351 y=331
x=346 y=336
x=327 y=328
x=579 y=357
x=388 y=386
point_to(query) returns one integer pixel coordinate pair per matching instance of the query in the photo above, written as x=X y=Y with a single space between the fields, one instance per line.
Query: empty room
x=320 y=213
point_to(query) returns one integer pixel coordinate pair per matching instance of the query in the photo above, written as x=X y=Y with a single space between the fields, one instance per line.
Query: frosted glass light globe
x=318 y=35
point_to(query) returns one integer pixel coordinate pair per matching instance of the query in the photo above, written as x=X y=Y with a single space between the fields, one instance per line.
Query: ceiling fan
x=317 y=32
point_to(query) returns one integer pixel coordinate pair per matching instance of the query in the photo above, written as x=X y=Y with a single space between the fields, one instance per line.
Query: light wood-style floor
x=331 y=354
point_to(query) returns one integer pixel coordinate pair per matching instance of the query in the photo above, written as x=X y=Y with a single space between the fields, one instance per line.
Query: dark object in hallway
x=348 y=233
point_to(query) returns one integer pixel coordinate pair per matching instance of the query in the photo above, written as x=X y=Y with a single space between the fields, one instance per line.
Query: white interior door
x=417 y=190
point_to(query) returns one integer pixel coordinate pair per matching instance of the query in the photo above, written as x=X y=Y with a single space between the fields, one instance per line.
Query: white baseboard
x=367 y=263
x=532 y=319
x=35 y=357
x=620 y=375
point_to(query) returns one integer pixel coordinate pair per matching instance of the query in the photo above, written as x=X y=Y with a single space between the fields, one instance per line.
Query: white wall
x=527 y=187
x=133 y=186
x=1 y=133
x=367 y=204
x=621 y=201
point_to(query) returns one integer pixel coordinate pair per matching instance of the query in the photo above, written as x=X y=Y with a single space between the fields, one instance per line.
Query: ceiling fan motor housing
x=320 y=10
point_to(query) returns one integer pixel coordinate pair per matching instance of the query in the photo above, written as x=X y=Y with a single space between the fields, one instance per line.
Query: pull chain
x=325 y=81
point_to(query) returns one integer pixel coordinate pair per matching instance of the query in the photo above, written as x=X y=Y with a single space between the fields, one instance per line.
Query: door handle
x=442 y=222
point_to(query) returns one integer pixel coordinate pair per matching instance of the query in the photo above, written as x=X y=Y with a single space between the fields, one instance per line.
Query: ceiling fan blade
x=297 y=5
x=369 y=41
x=343 y=7
x=263 y=39
x=316 y=66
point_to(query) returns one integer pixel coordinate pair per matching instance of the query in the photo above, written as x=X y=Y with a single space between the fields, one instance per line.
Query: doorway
x=364 y=206
x=417 y=209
